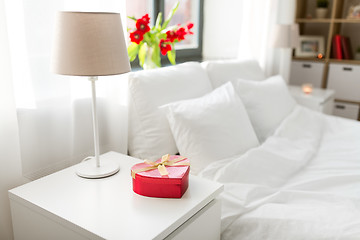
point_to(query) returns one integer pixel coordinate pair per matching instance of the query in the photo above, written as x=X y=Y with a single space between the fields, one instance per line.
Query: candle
x=307 y=88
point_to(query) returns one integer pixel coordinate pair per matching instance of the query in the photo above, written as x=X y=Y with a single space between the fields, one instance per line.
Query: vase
x=148 y=62
x=321 y=12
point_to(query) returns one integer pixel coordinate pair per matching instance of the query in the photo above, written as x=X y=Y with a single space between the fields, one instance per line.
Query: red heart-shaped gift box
x=152 y=181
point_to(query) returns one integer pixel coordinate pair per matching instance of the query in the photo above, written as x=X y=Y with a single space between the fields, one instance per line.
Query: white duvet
x=301 y=183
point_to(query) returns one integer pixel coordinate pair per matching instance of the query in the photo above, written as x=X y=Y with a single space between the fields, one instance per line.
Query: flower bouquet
x=148 y=43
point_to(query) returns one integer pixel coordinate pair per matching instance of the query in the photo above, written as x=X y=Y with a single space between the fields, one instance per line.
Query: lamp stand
x=93 y=168
x=285 y=64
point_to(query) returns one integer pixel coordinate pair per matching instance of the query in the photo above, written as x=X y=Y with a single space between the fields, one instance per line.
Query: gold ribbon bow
x=161 y=166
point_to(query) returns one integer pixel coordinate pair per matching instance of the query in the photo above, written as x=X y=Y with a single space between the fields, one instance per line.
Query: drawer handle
x=340 y=106
x=306 y=65
x=347 y=68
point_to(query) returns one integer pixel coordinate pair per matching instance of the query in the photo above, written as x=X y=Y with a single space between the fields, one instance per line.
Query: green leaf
x=142 y=54
x=133 y=50
x=133 y=18
x=148 y=38
x=162 y=35
x=158 y=21
x=156 y=55
x=172 y=55
x=170 y=16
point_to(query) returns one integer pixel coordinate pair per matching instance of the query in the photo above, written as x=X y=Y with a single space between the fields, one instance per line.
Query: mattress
x=303 y=182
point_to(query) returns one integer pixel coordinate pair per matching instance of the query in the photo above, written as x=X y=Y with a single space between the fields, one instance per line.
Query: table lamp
x=90 y=44
x=285 y=36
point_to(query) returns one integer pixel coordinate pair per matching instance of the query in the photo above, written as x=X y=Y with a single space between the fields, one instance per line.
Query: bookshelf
x=336 y=22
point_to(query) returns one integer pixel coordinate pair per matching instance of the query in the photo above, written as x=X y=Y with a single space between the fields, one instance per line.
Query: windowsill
x=165 y=63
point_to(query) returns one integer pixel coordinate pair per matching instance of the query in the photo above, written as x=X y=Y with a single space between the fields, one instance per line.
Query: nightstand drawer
x=199 y=226
x=346 y=110
x=344 y=79
x=306 y=72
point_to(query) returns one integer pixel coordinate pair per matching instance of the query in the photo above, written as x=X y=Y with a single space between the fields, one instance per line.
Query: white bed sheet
x=301 y=183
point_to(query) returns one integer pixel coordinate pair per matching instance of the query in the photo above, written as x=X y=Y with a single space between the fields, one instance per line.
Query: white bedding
x=301 y=183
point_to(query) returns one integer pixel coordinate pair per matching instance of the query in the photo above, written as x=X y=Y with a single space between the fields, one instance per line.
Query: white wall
x=32 y=161
x=10 y=170
x=221 y=29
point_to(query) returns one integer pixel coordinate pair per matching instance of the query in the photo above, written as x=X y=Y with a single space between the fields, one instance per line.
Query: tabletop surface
x=317 y=94
x=107 y=208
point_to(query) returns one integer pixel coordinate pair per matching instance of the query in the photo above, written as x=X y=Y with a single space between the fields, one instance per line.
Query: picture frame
x=354 y=12
x=310 y=46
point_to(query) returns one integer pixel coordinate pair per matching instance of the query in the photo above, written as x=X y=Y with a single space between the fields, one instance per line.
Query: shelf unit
x=336 y=22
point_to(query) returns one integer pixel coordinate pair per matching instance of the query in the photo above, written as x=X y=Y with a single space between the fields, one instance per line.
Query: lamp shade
x=286 y=36
x=89 y=44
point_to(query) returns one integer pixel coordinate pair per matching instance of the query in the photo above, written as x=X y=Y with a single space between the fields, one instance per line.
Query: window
x=138 y=8
x=188 y=11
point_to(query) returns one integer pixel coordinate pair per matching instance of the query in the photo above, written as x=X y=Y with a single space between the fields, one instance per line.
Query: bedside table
x=65 y=206
x=321 y=100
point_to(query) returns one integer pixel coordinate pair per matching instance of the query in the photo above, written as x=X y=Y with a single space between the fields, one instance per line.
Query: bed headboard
x=222 y=71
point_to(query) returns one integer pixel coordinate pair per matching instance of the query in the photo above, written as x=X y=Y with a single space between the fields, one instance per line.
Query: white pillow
x=222 y=71
x=267 y=102
x=210 y=128
x=149 y=133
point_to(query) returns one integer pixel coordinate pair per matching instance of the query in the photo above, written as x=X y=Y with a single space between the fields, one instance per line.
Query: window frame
x=182 y=55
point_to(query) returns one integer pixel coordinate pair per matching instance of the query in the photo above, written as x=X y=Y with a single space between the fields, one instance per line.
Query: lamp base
x=88 y=169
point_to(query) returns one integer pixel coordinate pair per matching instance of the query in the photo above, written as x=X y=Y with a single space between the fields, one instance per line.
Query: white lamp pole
x=97 y=169
x=95 y=121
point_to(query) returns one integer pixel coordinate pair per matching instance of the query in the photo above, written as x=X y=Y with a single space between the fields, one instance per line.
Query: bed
x=289 y=172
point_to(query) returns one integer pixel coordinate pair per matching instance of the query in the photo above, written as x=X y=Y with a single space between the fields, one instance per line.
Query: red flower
x=171 y=35
x=137 y=36
x=190 y=26
x=142 y=25
x=164 y=46
x=146 y=18
x=181 y=33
